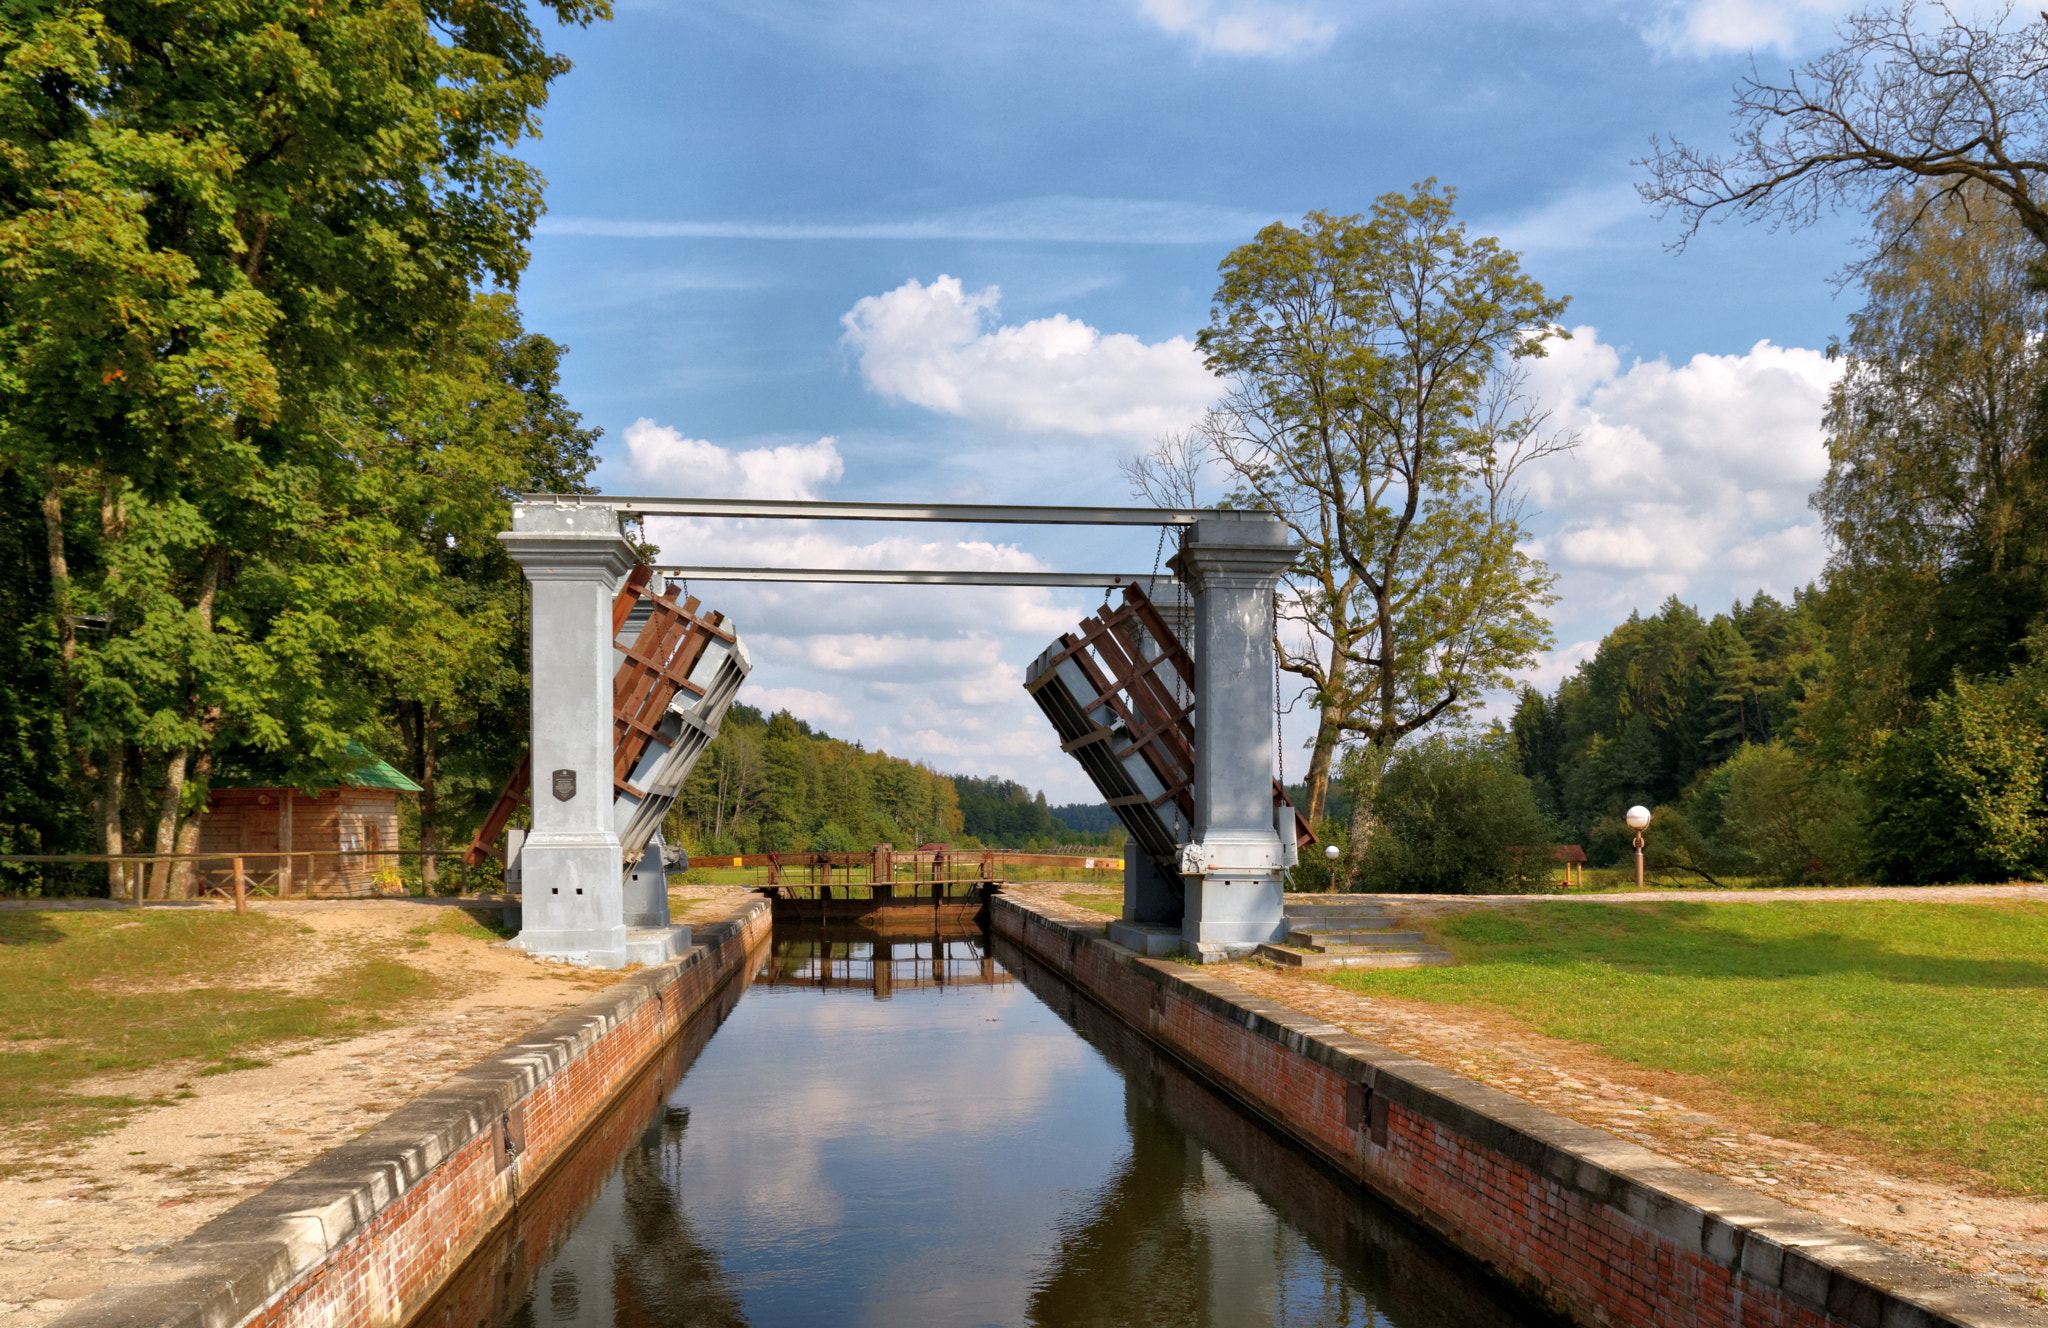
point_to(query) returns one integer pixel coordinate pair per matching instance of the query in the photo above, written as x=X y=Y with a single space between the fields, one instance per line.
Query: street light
x=1638 y=818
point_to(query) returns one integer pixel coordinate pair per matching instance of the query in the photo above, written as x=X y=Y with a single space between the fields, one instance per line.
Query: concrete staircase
x=1349 y=933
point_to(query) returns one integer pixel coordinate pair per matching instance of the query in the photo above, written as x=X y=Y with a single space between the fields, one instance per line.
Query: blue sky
x=886 y=250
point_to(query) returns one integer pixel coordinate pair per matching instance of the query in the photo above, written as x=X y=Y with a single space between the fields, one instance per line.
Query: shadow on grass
x=27 y=927
x=1704 y=941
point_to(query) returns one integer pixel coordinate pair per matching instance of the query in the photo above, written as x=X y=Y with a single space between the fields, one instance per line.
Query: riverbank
x=86 y=1212
x=1597 y=1220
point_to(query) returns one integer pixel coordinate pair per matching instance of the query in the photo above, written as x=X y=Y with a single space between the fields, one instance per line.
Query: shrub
x=1455 y=816
x=1782 y=819
x=1965 y=797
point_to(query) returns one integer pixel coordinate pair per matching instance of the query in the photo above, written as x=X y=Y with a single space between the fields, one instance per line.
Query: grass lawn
x=1918 y=1030
x=111 y=992
x=1113 y=905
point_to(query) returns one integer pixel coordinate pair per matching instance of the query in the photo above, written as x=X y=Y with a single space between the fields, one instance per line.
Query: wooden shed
x=343 y=838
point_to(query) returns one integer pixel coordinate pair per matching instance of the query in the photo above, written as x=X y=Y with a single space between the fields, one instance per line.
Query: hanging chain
x=1279 y=744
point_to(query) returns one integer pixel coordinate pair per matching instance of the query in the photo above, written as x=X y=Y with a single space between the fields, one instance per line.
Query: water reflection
x=891 y=1130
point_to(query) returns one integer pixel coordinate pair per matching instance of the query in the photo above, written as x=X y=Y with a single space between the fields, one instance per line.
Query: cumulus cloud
x=817 y=707
x=1242 y=27
x=939 y=347
x=663 y=458
x=932 y=673
x=1707 y=27
x=1690 y=479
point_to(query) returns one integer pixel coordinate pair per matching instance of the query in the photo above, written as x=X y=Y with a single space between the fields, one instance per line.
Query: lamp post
x=1638 y=818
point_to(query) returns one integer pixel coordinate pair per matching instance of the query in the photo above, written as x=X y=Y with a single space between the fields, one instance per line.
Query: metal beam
x=888 y=576
x=968 y=513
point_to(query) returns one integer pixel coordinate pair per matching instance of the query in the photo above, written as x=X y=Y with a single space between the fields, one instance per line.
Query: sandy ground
x=1926 y=1218
x=78 y=1219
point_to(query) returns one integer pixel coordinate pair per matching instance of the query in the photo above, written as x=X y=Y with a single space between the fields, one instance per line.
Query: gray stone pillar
x=570 y=868
x=1232 y=868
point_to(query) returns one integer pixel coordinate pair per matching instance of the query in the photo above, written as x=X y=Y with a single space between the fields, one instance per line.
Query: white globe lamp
x=1638 y=819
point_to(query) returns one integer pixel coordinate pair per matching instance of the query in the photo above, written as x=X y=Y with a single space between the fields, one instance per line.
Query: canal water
x=905 y=1128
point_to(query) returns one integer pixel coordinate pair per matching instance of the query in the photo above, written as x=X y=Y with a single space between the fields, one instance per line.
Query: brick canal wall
x=368 y=1234
x=1602 y=1230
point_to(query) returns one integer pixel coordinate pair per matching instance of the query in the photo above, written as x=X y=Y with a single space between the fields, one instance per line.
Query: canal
x=912 y=1127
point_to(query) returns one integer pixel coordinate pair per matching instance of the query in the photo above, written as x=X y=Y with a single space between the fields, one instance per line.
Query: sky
x=894 y=251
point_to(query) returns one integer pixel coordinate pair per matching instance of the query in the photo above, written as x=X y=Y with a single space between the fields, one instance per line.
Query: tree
x=1957 y=106
x=1455 y=817
x=226 y=237
x=1934 y=502
x=1365 y=359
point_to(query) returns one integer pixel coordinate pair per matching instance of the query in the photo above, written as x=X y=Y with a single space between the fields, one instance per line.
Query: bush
x=1455 y=816
x=1965 y=797
x=1786 y=821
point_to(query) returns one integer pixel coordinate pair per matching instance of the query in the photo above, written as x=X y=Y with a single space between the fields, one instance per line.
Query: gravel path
x=75 y=1220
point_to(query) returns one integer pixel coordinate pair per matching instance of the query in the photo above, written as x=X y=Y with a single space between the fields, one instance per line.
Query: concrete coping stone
x=230 y=1269
x=1821 y=1263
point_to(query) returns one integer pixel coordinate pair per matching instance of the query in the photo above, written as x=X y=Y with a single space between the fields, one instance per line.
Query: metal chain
x=1279 y=744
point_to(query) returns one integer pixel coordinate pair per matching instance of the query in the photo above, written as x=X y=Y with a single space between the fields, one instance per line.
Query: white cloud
x=817 y=707
x=932 y=673
x=1704 y=27
x=1242 y=27
x=1690 y=479
x=662 y=458
x=934 y=346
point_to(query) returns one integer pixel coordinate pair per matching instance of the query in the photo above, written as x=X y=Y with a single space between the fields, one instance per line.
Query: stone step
x=1334 y=921
x=1375 y=959
x=1317 y=938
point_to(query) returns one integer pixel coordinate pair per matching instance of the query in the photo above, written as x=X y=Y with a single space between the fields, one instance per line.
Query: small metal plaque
x=565 y=785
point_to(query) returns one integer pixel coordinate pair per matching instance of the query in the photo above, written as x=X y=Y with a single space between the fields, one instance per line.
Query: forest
x=1890 y=723
x=772 y=783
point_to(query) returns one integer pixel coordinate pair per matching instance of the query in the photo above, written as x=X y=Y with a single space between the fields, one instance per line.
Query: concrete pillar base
x=571 y=905
x=1210 y=952
x=1146 y=940
x=656 y=945
x=645 y=902
x=1243 y=911
x=1152 y=897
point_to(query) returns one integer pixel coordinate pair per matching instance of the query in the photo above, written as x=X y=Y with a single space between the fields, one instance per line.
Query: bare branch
x=1951 y=103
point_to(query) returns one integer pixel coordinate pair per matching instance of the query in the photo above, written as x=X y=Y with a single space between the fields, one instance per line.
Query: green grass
x=1110 y=904
x=89 y=994
x=1918 y=1030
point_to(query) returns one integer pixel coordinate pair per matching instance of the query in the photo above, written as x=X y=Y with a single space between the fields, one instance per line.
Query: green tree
x=1965 y=796
x=226 y=236
x=1455 y=817
x=1934 y=502
x=1360 y=353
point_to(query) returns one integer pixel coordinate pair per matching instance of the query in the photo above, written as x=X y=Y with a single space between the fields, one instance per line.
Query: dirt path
x=74 y=1220
x=1933 y=1221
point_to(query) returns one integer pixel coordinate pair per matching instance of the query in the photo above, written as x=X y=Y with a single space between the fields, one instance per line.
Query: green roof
x=375 y=773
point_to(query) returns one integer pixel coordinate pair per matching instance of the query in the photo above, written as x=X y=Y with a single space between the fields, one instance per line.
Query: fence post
x=241 y=889
x=133 y=870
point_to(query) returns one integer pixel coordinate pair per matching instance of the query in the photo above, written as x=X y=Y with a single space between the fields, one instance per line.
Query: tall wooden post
x=284 y=844
x=241 y=889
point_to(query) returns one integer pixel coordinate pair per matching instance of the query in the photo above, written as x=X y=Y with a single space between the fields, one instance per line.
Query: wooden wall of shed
x=247 y=822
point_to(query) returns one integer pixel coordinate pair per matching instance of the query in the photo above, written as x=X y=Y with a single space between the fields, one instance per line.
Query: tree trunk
x=1365 y=784
x=60 y=593
x=186 y=876
x=113 y=773
x=163 y=874
x=167 y=822
x=430 y=806
x=1328 y=730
